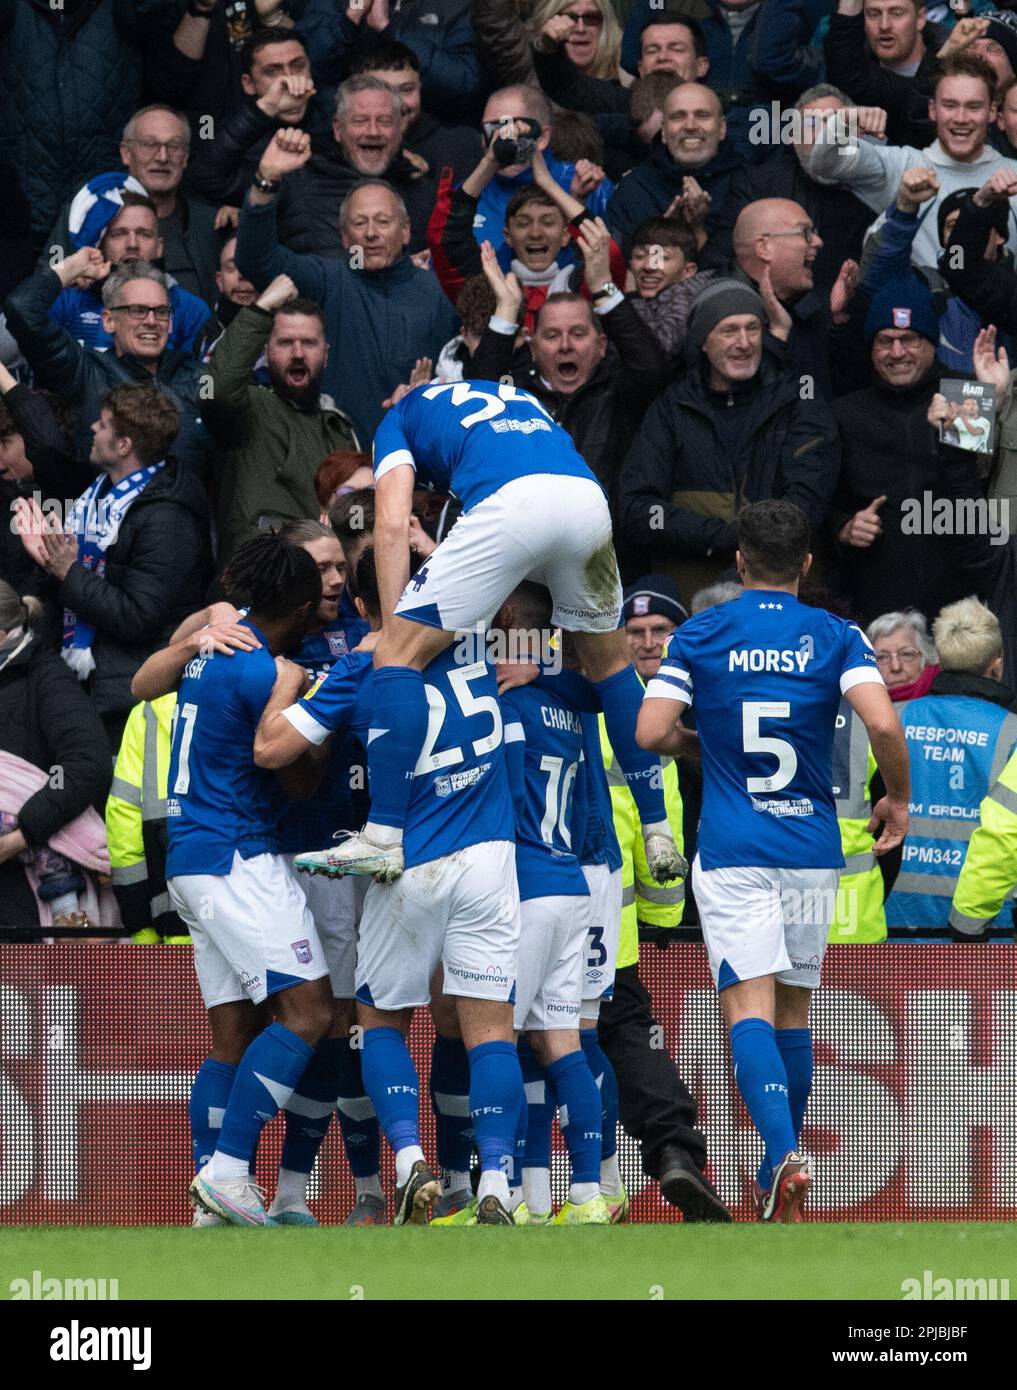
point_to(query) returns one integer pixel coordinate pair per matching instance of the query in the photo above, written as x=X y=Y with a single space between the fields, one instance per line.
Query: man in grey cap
x=734 y=429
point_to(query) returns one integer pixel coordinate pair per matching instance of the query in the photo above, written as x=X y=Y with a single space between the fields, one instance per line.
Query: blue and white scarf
x=95 y=520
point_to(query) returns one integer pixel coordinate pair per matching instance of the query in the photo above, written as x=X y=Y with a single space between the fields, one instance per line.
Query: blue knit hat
x=903 y=304
x=95 y=205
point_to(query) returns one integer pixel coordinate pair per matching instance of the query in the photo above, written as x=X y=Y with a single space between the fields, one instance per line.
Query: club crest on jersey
x=302 y=951
x=337 y=643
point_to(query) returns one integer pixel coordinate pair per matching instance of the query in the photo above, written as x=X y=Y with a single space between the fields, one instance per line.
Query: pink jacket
x=82 y=840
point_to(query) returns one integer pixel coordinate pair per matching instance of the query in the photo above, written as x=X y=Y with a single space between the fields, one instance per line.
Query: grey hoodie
x=873 y=173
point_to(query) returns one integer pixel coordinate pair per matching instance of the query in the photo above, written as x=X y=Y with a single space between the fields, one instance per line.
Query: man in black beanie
x=734 y=429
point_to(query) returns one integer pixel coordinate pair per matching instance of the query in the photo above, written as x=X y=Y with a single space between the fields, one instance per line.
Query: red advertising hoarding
x=913 y=1115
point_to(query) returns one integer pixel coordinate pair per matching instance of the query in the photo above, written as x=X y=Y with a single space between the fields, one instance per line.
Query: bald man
x=775 y=247
x=693 y=145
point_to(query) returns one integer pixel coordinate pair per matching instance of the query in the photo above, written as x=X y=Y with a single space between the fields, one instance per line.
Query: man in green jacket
x=271 y=439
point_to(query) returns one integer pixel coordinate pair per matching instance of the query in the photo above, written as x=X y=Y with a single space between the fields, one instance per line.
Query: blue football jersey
x=544 y=742
x=471 y=437
x=311 y=823
x=601 y=840
x=218 y=799
x=460 y=794
x=767 y=674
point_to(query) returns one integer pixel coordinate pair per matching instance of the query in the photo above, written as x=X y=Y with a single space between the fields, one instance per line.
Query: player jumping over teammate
x=767 y=674
x=533 y=510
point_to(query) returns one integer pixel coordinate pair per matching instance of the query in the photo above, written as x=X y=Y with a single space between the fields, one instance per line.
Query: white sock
x=223 y=1166
x=610 y=1175
x=384 y=836
x=581 y=1192
x=290 y=1191
x=405 y=1160
x=658 y=827
x=537 y=1189
x=369 y=1187
x=515 y=1197
x=454 y=1181
x=66 y=902
x=493 y=1182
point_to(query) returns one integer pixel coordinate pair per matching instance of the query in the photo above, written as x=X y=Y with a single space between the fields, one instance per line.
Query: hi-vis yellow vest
x=859 y=913
x=643 y=899
x=989 y=874
x=137 y=800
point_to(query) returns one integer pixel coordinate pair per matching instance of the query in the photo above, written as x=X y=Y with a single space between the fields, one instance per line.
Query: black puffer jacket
x=47 y=719
x=156 y=573
x=70 y=78
x=890 y=450
x=688 y=471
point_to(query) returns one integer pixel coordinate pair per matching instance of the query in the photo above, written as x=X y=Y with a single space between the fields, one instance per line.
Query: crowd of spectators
x=738 y=249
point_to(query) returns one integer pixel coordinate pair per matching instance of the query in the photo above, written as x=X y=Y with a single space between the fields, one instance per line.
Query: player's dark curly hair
x=365 y=583
x=272 y=577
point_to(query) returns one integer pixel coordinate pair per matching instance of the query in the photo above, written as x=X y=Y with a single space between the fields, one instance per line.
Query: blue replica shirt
x=767 y=674
x=471 y=437
x=460 y=793
x=218 y=800
x=544 y=744
x=311 y=824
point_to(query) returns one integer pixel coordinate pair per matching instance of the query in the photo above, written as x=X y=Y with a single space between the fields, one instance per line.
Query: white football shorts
x=554 y=530
x=333 y=904
x=764 y=921
x=549 y=977
x=252 y=930
x=602 y=936
x=460 y=911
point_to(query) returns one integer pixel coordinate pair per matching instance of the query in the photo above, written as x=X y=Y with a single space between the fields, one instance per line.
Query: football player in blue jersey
x=544 y=746
x=532 y=509
x=456 y=904
x=767 y=674
x=333 y=1078
x=254 y=936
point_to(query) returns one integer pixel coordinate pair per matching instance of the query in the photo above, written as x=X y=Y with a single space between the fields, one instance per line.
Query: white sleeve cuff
x=604 y=306
x=664 y=690
x=304 y=724
x=505 y=326
x=394 y=460
x=859 y=675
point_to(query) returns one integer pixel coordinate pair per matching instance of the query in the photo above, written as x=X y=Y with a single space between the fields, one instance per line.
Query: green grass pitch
x=813 y=1261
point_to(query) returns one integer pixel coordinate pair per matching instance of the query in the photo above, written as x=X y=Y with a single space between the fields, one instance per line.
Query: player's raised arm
x=277 y=741
x=873 y=706
x=163 y=671
x=668 y=693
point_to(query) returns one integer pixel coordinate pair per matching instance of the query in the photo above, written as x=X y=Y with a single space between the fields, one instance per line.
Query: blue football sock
x=795 y=1048
x=541 y=1104
x=268 y=1071
x=398 y=729
x=210 y=1093
x=579 y=1115
x=357 y=1120
x=450 y=1098
x=607 y=1084
x=309 y=1108
x=621 y=695
x=496 y=1092
x=390 y=1079
x=762 y=1080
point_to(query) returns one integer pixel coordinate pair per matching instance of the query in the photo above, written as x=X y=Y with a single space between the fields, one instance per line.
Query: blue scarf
x=95 y=520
